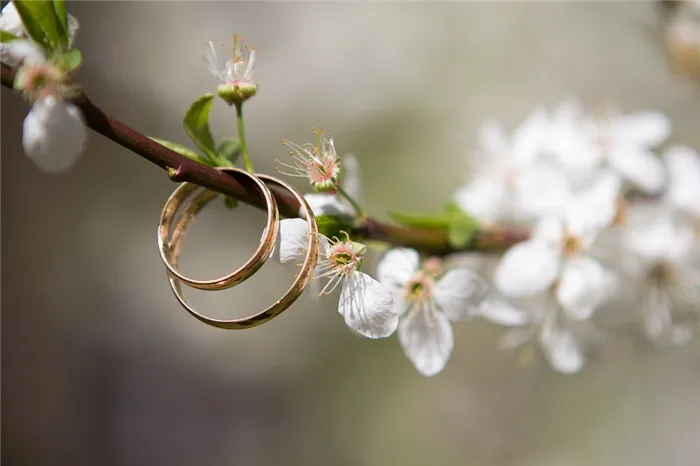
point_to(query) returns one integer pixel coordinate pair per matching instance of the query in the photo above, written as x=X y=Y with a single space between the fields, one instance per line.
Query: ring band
x=301 y=281
x=261 y=255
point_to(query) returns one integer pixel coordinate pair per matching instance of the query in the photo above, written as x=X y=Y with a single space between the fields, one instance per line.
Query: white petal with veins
x=367 y=306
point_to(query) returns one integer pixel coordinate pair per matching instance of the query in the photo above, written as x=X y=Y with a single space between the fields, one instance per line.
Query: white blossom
x=366 y=305
x=238 y=71
x=333 y=204
x=427 y=299
x=621 y=142
x=669 y=251
x=54 y=133
x=558 y=255
x=554 y=332
x=510 y=182
x=683 y=192
x=318 y=163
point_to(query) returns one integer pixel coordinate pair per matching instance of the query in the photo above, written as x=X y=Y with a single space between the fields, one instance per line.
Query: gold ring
x=261 y=255
x=301 y=281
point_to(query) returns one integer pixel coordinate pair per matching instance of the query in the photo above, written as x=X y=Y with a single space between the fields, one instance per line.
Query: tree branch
x=182 y=169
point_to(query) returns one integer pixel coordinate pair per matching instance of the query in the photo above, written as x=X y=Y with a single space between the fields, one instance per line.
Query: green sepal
x=229 y=150
x=43 y=25
x=184 y=151
x=7 y=37
x=330 y=225
x=196 y=123
x=71 y=60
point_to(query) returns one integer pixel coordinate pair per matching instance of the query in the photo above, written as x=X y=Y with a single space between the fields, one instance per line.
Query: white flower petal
x=541 y=191
x=427 y=340
x=583 y=286
x=529 y=136
x=292 y=242
x=396 y=268
x=73 y=27
x=24 y=51
x=10 y=20
x=662 y=238
x=647 y=128
x=367 y=306
x=683 y=179
x=562 y=351
x=485 y=198
x=459 y=293
x=352 y=178
x=549 y=230
x=501 y=312
x=596 y=207
x=211 y=60
x=53 y=134
x=526 y=269
x=639 y=166
x=329 y=204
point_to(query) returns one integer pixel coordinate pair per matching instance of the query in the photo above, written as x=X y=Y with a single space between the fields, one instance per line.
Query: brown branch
x=182 y=169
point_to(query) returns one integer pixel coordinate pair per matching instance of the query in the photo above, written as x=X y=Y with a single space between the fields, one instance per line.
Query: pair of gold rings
x=171 y=233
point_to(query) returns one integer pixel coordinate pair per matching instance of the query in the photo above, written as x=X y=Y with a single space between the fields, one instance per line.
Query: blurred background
x=102 y=366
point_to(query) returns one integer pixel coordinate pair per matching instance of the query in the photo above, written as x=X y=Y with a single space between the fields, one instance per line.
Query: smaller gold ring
x=300 y=282
x=261 y=255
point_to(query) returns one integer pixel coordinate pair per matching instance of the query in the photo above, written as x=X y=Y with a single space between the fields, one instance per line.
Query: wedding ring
x=301 y=280
x=170 y=210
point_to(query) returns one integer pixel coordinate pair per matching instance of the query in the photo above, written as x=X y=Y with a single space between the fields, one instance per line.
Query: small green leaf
x=7 y=37
x=42 y=24
x=461 y=232
x=229 y=150
x=71 y=60
x=462 y=228
x=184 y=151
x=413 y=220
x=196 y=124
x=230 y=202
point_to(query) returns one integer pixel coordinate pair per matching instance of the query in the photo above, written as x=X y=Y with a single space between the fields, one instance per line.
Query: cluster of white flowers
x=54 y=134
x=572 y=179
x=570 y=176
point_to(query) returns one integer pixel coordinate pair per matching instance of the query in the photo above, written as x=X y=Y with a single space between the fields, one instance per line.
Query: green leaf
x=42 y=24
x=461 y=231
x=413 y=220
x=462 y=226
x=330 y=225
x=59 y=8
x=184 y=151
x=7 y=37
x=230 y=202
x=196 y=124
x=229 y=150
x=71 y=60
x=459 y=225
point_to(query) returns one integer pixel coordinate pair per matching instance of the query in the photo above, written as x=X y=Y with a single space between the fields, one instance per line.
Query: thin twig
x=182 y=169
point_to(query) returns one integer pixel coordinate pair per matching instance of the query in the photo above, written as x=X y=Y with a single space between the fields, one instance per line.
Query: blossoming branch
x=553 y=197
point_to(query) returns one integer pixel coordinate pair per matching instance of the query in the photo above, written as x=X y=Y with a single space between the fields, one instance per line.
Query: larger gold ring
x=263 y=252
x=301 y=281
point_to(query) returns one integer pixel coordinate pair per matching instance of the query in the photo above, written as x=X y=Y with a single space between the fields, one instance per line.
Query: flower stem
x=353 y=203
x=241 y=137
